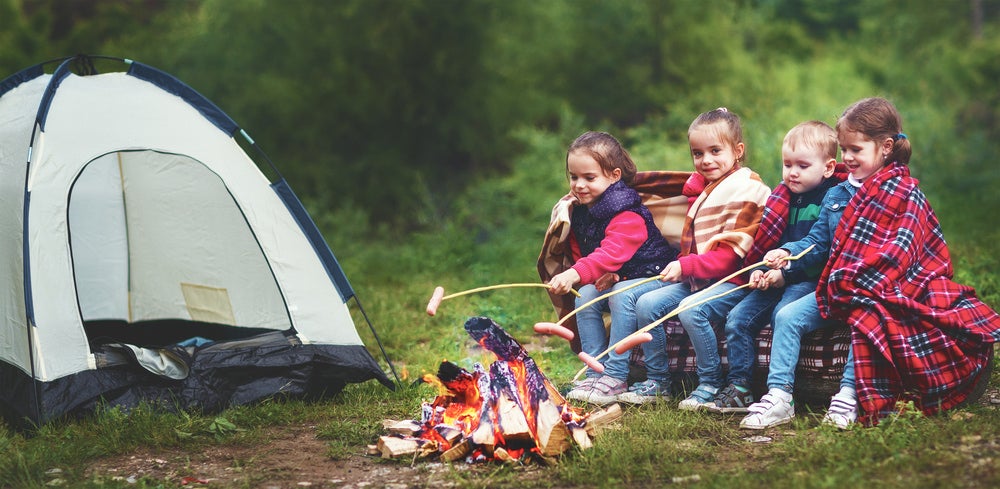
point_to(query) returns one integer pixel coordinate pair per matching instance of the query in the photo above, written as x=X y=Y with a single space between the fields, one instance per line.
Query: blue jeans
x=594 y=338
x=848 y=379
x=791 y=323
x=697 y=322
x=748 y=318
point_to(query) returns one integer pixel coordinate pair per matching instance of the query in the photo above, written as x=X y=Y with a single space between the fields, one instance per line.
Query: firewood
x=550 y=461
x=449 y=433
x=553 y=435
x=554 y=394
x=392 y=446
x=581 y=438
x=603 y=417
x=513 y=424
x=501 y=454
x=427 y=448
x=484 y=437
x=458 y=451
x=406 y=427
x=372 y=450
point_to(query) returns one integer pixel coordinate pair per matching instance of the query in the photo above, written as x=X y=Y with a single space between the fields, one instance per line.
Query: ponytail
x=900 y=149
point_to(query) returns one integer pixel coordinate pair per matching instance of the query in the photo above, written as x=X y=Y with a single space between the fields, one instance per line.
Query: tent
x=148 y=258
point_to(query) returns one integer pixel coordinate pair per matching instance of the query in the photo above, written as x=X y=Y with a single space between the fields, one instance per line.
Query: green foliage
x=428 y=140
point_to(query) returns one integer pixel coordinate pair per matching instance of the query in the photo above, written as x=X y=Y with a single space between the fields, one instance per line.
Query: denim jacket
x=821 y=233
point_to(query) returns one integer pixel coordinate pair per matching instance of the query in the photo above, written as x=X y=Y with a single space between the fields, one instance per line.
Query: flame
x=460 y=404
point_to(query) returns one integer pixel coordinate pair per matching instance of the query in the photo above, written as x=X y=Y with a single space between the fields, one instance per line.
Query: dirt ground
x=295 y=458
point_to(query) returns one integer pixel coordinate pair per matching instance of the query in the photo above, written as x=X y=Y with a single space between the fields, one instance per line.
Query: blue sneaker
x=701 y=398
x=646 y=391
x=732 y=399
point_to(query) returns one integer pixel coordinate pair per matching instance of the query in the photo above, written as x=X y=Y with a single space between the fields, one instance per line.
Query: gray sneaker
x=645 y=392
x=602 y=391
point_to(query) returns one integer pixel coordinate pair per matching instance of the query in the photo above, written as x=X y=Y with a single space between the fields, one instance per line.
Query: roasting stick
x=439 y=296
x=687 y=303
x=557 y=328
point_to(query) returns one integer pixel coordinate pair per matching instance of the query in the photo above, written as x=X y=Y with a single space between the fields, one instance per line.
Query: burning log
x=552 y=433
x=508 y=412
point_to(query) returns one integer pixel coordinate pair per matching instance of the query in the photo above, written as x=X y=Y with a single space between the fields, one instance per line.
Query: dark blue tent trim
x=171 y=84
x=27 y=74
x=306 y=224
x=220 y=377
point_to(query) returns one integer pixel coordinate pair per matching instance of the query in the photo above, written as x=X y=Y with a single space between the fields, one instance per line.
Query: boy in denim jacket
x=809 y=153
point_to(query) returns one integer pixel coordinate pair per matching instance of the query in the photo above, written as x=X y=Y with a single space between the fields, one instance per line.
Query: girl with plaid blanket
x=916 y=334
x=717 y=234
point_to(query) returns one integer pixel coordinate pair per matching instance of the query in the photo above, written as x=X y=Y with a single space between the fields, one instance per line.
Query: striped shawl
x=727 y=212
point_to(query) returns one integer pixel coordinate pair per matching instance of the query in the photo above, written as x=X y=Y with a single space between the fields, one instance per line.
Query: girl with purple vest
x=614 y=244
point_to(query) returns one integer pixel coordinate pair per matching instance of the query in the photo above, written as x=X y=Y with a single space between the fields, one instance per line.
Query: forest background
x=427 y=137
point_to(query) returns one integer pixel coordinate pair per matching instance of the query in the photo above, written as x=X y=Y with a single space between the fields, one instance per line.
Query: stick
x=690 y=302
x=439 y=296
x=557 y=328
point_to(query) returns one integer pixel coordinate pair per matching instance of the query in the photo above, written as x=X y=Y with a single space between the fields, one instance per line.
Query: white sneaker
x=843 y=411
x=769 y=412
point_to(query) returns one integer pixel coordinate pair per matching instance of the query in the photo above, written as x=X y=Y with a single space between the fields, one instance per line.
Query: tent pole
x=377 y=340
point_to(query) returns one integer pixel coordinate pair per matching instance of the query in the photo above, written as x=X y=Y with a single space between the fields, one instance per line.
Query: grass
x=651 y=446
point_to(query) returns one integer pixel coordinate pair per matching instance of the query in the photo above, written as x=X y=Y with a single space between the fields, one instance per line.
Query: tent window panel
x=167 y=242
x=209 y=304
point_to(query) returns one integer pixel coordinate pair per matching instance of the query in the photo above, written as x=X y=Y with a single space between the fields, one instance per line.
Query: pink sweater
x=624 y=235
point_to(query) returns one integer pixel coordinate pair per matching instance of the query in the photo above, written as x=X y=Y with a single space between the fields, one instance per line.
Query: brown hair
x=733 y=133
x=606 y=151
x=877 y=119
x=817 y=135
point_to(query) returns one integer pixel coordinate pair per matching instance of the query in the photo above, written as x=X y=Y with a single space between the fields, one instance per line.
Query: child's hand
x=776 y=258
x=772 y=279
x=671 y=272
x=755 y=279
x=606 y=281
x=564 y=281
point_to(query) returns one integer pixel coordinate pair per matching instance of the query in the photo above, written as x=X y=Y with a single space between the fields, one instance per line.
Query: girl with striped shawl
x=717 y=234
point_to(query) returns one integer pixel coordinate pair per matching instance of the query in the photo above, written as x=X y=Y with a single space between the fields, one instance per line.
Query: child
x=809 y=157
x=613 y=239
x=916 y=335
x=718 y=232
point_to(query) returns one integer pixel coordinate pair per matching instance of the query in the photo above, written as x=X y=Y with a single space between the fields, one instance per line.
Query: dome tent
x=150 y=259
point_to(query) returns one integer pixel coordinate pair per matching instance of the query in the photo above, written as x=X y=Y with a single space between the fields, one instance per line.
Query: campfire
x=509 y=412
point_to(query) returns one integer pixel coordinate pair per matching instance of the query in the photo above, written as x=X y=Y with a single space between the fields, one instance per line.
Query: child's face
x=804 y=168
x=712 y=156
x=862 y=156
x=587 y=180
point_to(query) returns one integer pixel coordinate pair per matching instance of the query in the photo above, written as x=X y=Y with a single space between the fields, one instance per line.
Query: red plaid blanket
x=917 y=335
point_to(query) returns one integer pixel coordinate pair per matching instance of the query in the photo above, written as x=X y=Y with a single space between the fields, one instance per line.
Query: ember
x=509 y=412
